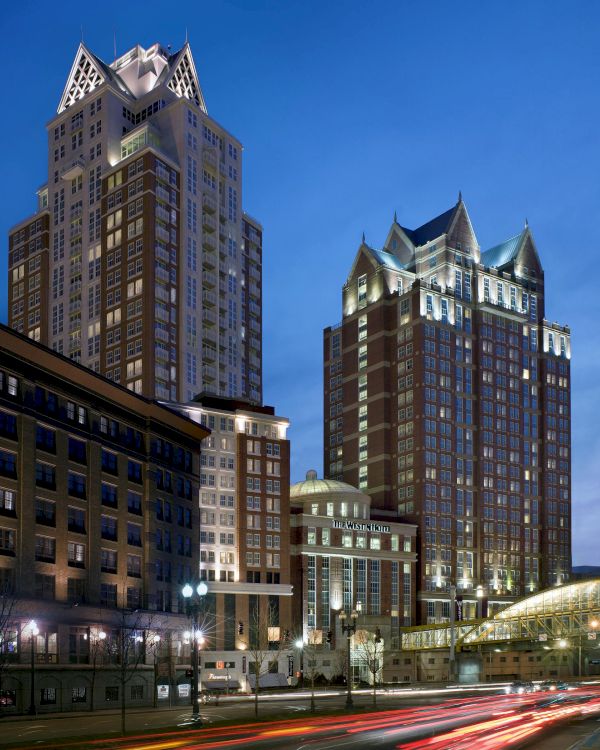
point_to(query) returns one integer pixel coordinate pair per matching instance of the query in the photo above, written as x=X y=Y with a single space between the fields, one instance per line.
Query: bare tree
x=311 y=649
x=127 y=646
x=369 y=649
x=8 y=629
x=340 y=663
x=264 y=643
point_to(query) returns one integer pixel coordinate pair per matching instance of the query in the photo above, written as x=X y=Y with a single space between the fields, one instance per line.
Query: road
x=461 y=721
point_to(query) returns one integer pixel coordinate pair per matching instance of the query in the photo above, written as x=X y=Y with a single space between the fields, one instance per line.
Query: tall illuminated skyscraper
x=139 y=261
x=447 y=400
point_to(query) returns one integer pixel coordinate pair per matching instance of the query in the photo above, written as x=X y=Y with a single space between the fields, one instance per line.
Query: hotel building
x=447 y=400
x=346 y=556
x=139 y=262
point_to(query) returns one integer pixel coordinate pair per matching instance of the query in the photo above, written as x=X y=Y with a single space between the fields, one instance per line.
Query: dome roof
x=313 y=486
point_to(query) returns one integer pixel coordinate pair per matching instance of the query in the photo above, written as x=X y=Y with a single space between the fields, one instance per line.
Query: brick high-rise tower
x=447 y=399
x=140 y=262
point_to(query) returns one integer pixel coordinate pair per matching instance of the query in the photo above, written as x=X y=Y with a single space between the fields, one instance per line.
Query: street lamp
x=299 y=644
x=193 y=603
x=155 y=645
x=348 y=629
x=33 y=631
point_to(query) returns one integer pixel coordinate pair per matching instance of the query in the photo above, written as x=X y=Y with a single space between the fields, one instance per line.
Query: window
x=134 y=471
x=108 y=561
x=109 y=462
x=45 y=475
x=45 y=549
x=78 y=695
x=76 y=485
x=45 y=512
x=7 y=541
x=8 y=425
x=108 y=528
x=45 y=439
x=44 y=587
x=362 y=291
x=77 y=451
x=134 y=502
x=7 y=502
x=76 y=554
x=109 y=495
x=111 y=694
x=134 y=534
x=47 y=696
x=76 y=520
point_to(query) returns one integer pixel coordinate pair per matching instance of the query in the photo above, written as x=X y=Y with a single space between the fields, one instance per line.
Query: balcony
x=209 y=354
x=254 y=291
x=208 y=317
x=74 y=169
x=209 y=243
x=209 y=157
x=210 y=335
x=209 y=204
x=209 y=372
x=209 y=298
x=208 y=222
x=209 y=279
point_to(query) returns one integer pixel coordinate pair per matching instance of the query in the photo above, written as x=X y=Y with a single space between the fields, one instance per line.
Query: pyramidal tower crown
x=134 y=74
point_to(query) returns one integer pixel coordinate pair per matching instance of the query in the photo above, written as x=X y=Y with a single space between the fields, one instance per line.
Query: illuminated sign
x=354 y=526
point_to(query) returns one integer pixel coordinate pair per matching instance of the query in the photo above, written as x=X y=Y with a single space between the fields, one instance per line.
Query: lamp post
x=452 y=665
x=348 y=629
x=33 y=631
x=193 y=602
x=155 y=646
x=300 y=646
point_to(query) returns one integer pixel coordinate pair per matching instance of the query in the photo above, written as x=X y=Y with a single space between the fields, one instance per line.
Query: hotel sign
x=354 y=526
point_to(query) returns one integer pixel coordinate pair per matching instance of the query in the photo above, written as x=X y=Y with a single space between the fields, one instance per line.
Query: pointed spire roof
x=183 y=79
x=87 y=73
x=134 y=74
x=432 y=229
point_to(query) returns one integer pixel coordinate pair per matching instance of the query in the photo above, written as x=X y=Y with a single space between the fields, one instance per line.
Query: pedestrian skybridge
x=569 y=611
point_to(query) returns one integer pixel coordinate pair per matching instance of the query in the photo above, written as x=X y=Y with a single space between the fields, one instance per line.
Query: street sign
x=591 y=636
x=183 y=691
x=162 y=692
x=543 y=637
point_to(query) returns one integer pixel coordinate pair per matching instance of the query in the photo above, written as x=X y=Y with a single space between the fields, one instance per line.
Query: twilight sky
x=349 y=111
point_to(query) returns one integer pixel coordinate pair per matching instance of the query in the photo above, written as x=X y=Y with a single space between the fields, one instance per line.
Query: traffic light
x=329 y=636
x=377 y=635
x=240 y=627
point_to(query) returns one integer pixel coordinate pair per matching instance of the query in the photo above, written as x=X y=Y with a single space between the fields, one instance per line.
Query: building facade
x=99 y=527
x=447 y=400
x=245 y=533
x=347 y=557
x=139 y=261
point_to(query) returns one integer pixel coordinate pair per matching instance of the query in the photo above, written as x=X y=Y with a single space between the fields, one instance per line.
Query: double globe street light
x=193 y=603
x=349 y=629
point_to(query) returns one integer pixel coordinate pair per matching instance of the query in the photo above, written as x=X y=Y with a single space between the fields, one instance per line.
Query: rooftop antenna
x=526 y=223
x=395 y=217
x=82 y=33
x=459 y=196
x=363 y=238
x=115 y=43
x=186 y=35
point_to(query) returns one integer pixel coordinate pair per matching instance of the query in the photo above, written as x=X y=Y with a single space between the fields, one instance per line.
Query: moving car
x=519 y=687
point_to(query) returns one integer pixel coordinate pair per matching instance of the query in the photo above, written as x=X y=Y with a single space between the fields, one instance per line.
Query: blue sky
x=349 y=111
